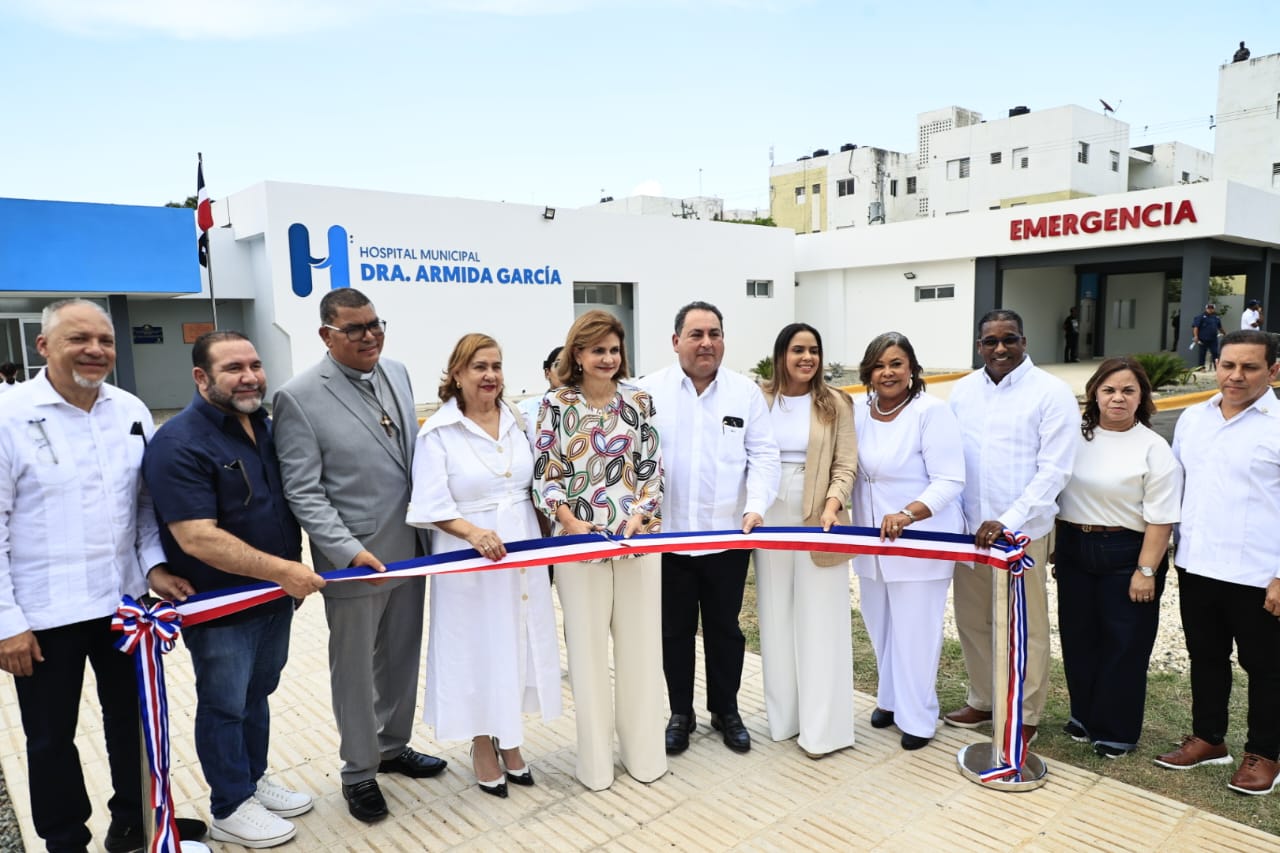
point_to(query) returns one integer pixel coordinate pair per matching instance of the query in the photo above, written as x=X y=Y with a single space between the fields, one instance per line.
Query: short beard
x=85 y=382
x=231 y=403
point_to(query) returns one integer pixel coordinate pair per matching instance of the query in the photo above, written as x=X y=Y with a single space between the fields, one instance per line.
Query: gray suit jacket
x=342 y=476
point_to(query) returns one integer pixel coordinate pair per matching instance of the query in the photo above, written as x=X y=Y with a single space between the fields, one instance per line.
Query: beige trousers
x=622 y=598
x=973 y=623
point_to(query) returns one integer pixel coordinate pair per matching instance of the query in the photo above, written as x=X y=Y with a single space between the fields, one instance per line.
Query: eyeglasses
x=1007 y=340
x=377 y=328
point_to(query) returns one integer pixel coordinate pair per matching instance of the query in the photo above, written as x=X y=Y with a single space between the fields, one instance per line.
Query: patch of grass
x=1168 y=718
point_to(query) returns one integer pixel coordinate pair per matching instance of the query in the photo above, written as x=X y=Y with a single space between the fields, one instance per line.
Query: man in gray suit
x=344 y=431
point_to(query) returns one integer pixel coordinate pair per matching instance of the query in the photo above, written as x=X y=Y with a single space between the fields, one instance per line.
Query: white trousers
x=805 y=645
x=904 y=619
x=622 y=598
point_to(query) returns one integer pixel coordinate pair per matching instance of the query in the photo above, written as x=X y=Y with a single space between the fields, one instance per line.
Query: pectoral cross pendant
x=388 y=425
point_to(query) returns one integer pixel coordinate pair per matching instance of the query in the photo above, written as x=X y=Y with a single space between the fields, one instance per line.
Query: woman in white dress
x=802 y=597
x=910 y=473
x=492 y=653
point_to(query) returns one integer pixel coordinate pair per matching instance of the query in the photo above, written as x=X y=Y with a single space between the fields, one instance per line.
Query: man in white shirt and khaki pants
x=1019 y=426
x=721 y=472
x=1228 y=560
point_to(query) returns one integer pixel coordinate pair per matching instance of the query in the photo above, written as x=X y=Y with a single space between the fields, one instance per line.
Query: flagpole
x=202 y=199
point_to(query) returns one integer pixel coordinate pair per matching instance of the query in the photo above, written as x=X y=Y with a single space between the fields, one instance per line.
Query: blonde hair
x=463 y=351
x=587 y=330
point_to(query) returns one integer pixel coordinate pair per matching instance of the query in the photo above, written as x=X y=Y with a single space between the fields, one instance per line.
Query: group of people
x=220 y=494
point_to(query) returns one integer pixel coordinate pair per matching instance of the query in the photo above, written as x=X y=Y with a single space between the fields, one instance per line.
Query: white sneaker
x=251 y=825
x=281 y=800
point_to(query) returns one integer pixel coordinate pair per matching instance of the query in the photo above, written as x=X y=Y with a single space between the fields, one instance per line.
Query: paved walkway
x=874 y=796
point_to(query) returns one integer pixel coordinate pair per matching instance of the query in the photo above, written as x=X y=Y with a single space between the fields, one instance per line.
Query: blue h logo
x=301 y=262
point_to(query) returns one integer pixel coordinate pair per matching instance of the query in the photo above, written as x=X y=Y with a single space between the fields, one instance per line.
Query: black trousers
x=1106 y=638
x=1072 y=350
x=710 y=584
x=50 y=702
x=1214 y=614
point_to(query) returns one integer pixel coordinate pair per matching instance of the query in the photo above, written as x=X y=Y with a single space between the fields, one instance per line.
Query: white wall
x=1169 y=160
x=1246 y=139
x=1051 y=138
x=852 y=306
x=670 y=261
x=1042 y=297
x=1147 y=291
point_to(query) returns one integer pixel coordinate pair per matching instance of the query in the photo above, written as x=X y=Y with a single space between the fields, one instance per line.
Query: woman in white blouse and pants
x=802 y=597
x=910 y=473
x=492 y=653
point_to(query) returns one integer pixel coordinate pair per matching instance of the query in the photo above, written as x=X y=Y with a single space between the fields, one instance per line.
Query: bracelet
x=911 y=516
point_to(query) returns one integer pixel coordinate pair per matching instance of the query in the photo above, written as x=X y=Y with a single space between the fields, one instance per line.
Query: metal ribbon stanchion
x=1005 y=764
x=149 y=633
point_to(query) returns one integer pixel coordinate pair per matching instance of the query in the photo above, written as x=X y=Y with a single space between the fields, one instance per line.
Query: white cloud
x=649 y=187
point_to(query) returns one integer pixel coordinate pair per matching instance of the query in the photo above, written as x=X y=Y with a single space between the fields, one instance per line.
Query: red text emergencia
x=1111 y=219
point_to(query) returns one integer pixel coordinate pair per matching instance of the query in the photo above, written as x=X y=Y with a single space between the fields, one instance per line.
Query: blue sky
x=553 y=101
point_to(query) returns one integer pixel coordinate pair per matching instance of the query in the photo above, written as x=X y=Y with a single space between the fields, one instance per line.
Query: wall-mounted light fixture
x=909 y=276
x=549 y=213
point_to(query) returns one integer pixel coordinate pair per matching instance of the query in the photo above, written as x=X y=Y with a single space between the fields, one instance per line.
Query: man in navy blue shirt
x=1205 y=329
x=224 y=522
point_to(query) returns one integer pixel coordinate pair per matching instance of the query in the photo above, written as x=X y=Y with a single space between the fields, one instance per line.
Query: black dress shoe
x=736 y=736
x=416 y=765
x=913 y=742
x=881 y=719
x=678 y=729
x=523 y=778
x=364 y=801
x=126 y=839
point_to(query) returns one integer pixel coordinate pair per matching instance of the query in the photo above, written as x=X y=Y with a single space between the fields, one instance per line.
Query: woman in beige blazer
x=802 y=597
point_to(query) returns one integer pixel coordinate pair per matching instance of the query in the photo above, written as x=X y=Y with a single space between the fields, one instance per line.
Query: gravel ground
x=1169 y=654
x=10 y=834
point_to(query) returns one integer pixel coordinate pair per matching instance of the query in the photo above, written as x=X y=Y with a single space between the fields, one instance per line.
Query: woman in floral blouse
x=597 y=469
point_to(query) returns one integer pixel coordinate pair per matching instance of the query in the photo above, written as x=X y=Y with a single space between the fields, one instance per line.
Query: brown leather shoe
x=1257 y=775
x=967 y=718
x=1194 y=752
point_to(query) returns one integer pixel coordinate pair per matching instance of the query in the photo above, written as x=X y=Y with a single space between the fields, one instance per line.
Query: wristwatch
x=1147 y=571
x=911 y=516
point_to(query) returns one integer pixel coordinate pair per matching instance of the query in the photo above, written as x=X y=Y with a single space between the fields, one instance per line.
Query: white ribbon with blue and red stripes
x=1013 y=747
x=149 y=633
x=930 y=545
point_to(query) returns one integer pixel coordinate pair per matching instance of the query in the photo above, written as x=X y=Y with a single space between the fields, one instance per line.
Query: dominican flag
x=204 y=213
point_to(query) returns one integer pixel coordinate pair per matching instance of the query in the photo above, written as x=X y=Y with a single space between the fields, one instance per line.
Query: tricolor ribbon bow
x=149 y=633
x=1014 y=749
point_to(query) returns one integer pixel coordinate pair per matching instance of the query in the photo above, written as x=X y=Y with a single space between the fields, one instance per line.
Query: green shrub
x=764 y=368
x=1163 y=368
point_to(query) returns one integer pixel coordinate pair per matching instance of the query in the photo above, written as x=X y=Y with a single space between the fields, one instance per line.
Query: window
x=799 y=195
x=759 y=288
x=958 y=169
x=844 y=187
x=595 y=294
x=1186 y=177
x=1021 y=158
x=817 y=188
x=1275 y=176
x=996 y=156
x=1125 y=312
x=911 y=186
x=1115 y=161
x=893 y=186
x=1082 y=153
x=935 y=292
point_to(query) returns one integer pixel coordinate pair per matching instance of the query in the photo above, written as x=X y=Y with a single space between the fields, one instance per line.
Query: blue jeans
x=1106 y=638
x=237 y=667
